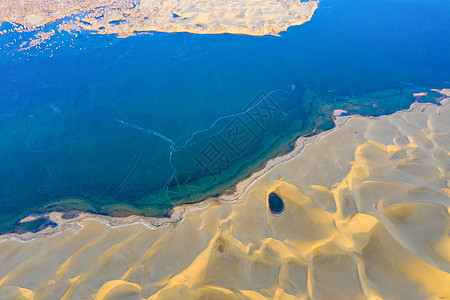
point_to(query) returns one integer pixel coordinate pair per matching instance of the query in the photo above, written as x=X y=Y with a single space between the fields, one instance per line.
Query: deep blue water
x=139 y=124
x=276 y=204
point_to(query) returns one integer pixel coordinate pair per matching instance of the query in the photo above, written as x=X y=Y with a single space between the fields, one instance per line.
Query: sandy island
x=251 y=17
x=366 y=217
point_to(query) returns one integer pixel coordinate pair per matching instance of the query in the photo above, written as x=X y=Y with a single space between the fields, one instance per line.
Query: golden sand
x=445 y=92
x=252 y=17
x=366 y=217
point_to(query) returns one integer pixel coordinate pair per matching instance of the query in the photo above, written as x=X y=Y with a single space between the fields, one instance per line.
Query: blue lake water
x=140 y=124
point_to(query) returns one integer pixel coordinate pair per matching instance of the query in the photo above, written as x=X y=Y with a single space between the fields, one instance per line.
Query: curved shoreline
x=178 y=213
x=126 y=18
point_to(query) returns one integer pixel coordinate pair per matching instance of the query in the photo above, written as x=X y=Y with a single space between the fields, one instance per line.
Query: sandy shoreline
x=178 y=213
x=125 y=18
x=366 y=208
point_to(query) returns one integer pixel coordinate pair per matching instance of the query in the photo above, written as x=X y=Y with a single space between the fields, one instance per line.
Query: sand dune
x=254 y=17
x=366 y=217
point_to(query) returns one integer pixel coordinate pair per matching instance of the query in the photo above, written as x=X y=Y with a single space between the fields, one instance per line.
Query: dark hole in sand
x=116 y=22
x=69 y=215
x=276 y=204
x=33 y=226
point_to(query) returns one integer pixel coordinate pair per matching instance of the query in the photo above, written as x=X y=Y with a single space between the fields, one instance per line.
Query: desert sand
x=366 y=217
x=252 y=17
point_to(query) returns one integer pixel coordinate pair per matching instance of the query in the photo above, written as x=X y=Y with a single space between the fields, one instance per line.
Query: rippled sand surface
x=255 y=17
x=366 y=217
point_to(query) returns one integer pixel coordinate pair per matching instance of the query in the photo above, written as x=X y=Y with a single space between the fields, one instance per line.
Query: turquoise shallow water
x=141 y=124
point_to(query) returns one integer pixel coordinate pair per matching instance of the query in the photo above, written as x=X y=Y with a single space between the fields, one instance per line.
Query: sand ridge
x=366 y=217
